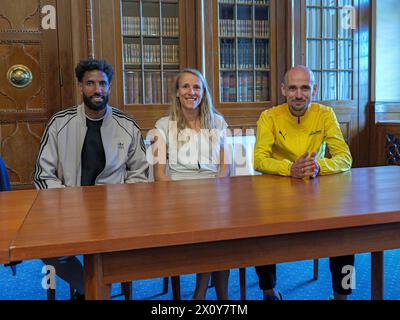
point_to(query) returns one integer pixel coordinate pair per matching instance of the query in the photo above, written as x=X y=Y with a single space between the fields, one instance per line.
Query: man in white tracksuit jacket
x=90 y=144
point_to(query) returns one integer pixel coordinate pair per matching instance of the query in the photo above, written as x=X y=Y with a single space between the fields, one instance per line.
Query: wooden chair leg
x=315 y=276
x=71 y=291
x=165 y=285
x=126 y=290
x=242 y=277
x=51 y=294
x=176 y=287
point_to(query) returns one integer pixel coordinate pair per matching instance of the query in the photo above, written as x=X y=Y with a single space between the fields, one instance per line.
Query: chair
x=126 y=290
x=4 y=179
x=5 y=186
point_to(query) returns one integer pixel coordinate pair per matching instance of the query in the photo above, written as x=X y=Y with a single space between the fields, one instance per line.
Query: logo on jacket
x=313 y=133
x=121 y=145
x=283 y=135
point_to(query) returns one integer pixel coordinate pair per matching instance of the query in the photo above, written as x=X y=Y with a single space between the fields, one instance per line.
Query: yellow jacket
x=283 y=138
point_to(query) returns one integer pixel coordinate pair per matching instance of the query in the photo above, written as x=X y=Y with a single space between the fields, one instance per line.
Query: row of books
x=151 y=53
x=152 y=87
x=244 y=1
x=245 y=54
x=244 y=28
x=151 y=26
x=246 y=91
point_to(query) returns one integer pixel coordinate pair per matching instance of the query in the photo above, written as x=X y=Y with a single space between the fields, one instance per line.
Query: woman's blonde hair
x=207 y=111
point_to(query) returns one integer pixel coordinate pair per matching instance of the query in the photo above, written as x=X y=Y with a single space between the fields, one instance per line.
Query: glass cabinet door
x=244 y=51
x=150 y=49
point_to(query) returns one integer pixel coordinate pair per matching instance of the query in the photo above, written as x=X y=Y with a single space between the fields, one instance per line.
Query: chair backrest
x=240 y=150
x=4 y=179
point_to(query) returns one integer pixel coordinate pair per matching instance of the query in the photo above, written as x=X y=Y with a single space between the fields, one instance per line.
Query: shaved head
x=299 y=69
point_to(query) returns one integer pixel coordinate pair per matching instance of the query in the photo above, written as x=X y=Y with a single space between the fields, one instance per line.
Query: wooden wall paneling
x=384 y=120
x=106 y=39
x=387 y=146
x=386 y=111
x=209 y=53
x=25 y=111
x=347 y=116
x=188 y=26
x=364 y=84
x=283 y=47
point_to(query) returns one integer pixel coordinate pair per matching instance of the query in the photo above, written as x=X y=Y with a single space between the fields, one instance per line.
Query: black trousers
x=267 y=274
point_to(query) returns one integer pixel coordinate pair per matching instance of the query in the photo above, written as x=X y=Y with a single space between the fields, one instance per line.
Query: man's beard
x=93 y=106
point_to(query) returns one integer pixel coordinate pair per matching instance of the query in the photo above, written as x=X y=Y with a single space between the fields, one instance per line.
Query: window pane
x=313 y=23
x=330 y=29
x=227 y=54
x=169 y=78
x=314 y=54
x=329 y=85
x=244 y=21
x=345 y=3
x=313 y=2
x=346 y=23
x=345 y=55
x=318 y=82
x=345 y=86
x=262 y=50
x=245 y=53
x=133 y=87
x=262 y=86
x=245 y=88
x=228 y=88
x=329 y=3
x=226 y=21
x=329 y=52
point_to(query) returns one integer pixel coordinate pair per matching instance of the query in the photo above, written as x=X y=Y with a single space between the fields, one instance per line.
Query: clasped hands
x=305 y=166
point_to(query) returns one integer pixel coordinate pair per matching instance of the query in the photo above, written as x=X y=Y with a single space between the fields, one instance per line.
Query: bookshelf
x=243 y=68
x=151 y=46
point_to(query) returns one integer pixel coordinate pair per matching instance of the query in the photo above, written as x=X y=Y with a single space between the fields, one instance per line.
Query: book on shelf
x=152 y=87
x=262 y=86
x=168 y=86
x=133 y=86
x=150 y=26
x=244 y=2
x=249 y=88
x=148 y=88
x=262 y=50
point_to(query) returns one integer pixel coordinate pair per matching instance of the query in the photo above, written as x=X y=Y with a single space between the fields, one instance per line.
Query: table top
x=123 y=217
x=14 y=206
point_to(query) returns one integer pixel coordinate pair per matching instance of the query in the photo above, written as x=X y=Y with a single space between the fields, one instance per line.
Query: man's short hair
x=93 y=64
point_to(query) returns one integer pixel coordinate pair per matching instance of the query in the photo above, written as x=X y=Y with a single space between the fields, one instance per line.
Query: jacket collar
x=82 y=116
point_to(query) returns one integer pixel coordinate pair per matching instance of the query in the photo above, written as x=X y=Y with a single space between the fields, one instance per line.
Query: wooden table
x=14 y=206
x=128 y=232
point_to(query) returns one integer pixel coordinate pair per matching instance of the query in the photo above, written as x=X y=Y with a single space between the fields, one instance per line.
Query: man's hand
x=305 y=167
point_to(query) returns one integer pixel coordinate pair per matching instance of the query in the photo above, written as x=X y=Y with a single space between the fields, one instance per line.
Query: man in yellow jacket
x=291 y=141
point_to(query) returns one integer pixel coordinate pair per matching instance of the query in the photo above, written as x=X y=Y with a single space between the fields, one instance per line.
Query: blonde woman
x=189 y=145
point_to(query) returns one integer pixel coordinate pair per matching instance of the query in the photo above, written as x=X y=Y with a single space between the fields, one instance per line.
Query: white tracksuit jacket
x=59 y=160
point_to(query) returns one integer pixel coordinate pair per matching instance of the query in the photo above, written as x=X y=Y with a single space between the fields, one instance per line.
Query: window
x=329 y=40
